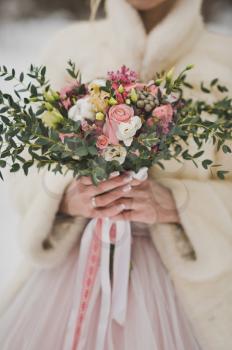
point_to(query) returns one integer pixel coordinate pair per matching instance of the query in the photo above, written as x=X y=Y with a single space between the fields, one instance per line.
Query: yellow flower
x=52 y=118
x=99 y=100
x=100 y=116
x=121 y=89
x=94 y=88
x=112 y=101
x=133 y=95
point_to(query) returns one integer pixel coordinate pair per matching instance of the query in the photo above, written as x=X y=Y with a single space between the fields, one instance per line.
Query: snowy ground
x=20 y=44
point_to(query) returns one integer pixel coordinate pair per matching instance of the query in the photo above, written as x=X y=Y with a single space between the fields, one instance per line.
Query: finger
x=108 y=198
x=135 y=182
x=113 y=183
x=128 y=203
x=108 y=212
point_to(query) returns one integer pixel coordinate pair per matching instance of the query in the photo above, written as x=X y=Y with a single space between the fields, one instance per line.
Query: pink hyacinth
x=123 y=76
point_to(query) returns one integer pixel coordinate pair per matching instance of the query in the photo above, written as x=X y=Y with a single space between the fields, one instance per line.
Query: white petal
x=137 y=121
x=72 y=112
x=128 y=142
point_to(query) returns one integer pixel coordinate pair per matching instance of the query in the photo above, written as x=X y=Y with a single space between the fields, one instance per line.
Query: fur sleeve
x=202 y=249
x=44 y=238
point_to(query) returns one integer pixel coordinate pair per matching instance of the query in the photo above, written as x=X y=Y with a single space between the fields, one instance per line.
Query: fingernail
x=114 y=174
x=126 y=188
x=122 y=207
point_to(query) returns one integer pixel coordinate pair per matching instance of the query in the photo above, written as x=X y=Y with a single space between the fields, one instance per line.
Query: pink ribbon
x=93 y=275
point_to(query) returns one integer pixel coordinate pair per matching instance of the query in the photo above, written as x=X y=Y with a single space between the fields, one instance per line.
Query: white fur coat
x=198 y=256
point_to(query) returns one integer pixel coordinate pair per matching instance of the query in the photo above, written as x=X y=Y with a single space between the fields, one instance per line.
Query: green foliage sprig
x=25 y=140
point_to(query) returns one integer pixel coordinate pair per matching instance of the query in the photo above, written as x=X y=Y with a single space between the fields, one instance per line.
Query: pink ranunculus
x=102 y=141
x=62 y=136
x=120 y=113
x=165 y=114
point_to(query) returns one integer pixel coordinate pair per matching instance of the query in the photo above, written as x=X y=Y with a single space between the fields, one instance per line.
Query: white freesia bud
x=126 y=131
x=82 y=110
x=117 y=153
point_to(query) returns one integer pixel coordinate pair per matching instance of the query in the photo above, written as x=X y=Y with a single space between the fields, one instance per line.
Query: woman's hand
x=78 y=197
x=148 y=202
x=122 y=199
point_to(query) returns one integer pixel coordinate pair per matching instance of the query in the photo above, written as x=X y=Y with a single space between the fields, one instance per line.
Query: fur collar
x=165 y=44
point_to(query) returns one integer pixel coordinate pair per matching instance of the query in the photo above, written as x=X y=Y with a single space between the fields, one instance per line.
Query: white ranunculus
x=82 y=110
x=126 y=131
x=117 y=153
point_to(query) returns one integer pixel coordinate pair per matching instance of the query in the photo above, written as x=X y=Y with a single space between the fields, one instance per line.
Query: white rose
x=117 y=153
x=83 y=109
x=126 y=131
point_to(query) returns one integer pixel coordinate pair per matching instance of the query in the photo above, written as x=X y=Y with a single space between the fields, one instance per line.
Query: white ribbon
x=113 y=302
x=121 y=271
x=117 y=299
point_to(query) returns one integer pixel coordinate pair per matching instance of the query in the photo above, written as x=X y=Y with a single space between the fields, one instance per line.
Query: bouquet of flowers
x=107 y=125
x=96 y=128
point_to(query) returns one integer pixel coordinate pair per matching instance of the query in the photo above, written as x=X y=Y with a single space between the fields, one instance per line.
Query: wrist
x=64 y=209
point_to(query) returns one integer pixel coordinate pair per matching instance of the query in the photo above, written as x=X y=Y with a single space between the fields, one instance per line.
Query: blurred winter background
x=26 y=26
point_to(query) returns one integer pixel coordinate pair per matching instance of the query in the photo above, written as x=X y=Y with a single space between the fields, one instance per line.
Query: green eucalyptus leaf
x=2 y=163
x=15 y=167
x=226 y=149
x=206 y=163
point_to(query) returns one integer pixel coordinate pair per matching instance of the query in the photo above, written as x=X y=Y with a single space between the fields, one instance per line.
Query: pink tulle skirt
x=38 y=317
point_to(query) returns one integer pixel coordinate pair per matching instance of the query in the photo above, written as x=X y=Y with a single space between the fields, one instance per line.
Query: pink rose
x=116 y=115
x=120 y=113
x=102 y=141
x=165 y=114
